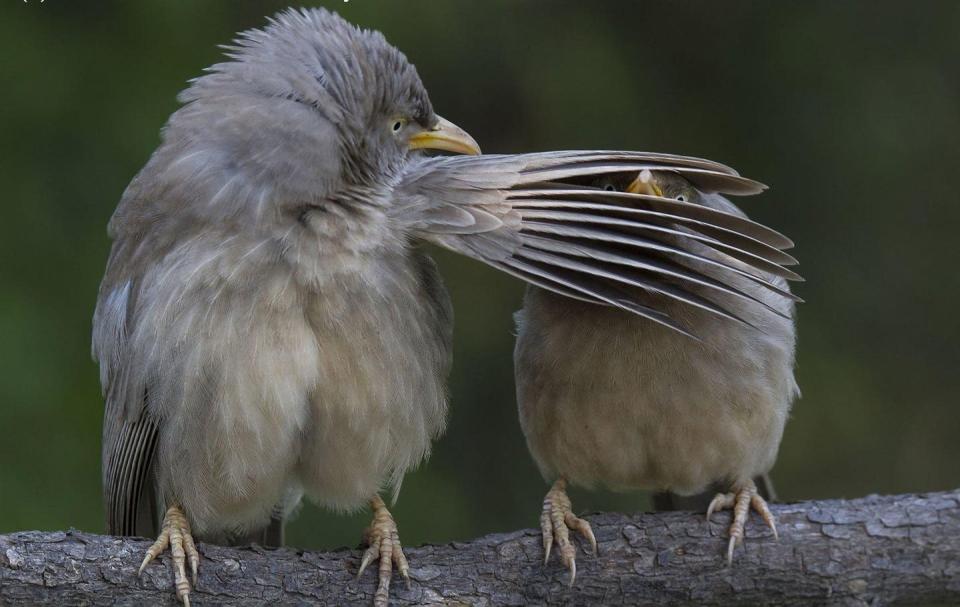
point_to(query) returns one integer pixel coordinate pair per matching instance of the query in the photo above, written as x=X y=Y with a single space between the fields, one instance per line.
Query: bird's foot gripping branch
x=873 y=550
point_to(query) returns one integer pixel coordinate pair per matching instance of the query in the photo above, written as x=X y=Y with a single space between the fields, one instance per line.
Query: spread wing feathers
x=618 y=204
x=752 y=252
x=532 y=216
x=596 y=292
x=608 y=261
x=612 y=240
x=635 y=279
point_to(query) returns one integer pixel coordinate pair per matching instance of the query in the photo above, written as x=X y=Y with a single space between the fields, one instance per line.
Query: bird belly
x=234 y=403
x=617 y=401
x=381 y=396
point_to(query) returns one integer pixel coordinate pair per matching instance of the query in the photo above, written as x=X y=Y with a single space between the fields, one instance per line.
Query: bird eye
x=609 y=188
x=398 y=124
x=681 y=198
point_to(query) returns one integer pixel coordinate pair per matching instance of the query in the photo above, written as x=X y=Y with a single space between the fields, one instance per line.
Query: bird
x=693 y=397
x=263 y=331
x=269 y=328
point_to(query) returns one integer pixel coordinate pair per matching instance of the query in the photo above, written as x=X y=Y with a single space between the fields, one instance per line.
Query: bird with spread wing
x=267 y=328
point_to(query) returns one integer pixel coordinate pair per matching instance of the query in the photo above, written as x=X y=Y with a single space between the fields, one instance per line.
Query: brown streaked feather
x=652 y=206
x=731 y=243
x=585 y=289
x=634 y=279
x=662 y=247
x=527 y=214
x=610 y=237
x=706 y=180
x=680 y=274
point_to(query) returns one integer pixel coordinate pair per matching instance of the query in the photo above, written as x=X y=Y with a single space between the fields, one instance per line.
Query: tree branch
x=875 y=550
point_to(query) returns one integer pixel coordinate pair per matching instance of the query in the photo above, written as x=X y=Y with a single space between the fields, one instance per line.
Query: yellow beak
x=644 y=184
x=445 y=136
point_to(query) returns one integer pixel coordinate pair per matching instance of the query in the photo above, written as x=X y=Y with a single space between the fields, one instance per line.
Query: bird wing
x=535 y=217
x=130 y=432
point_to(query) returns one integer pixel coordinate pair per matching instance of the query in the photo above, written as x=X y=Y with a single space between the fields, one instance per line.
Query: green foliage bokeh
x=850 y=111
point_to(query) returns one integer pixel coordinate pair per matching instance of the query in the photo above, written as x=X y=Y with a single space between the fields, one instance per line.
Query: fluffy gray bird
x=266 y=327
x=630 y=401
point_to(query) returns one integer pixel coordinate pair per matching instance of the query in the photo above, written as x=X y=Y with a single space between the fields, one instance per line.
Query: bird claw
x=556 y=519
x=383 y=544
x=175 y=533
x=741 y=500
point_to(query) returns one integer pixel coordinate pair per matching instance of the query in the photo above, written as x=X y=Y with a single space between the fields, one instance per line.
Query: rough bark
x=875 y=550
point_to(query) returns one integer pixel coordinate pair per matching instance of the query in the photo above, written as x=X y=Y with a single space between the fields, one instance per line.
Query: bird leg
x=383 y=543
x=556 y=519
x=741 y=499
x=175 y=534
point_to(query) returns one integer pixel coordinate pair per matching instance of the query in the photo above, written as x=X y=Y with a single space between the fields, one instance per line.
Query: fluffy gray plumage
x=258 y=308
x=266 y=327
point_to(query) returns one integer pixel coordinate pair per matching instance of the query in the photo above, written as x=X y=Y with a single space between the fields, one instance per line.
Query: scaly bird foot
x=741 y=499
x=383 y=543
x=555 y=521
x=175 y=533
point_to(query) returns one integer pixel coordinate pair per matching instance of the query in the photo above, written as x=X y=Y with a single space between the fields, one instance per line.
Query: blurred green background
x=849 y=110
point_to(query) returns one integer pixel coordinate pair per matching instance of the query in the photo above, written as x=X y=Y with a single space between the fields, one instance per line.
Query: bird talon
x=546 y=529
x=556 y=520
x=175 y=534
x=720 y=501
x=583 y=528
x=369 y=554
x=384 y=546
x=760 y=505
x=741 y=499
x=400 y=559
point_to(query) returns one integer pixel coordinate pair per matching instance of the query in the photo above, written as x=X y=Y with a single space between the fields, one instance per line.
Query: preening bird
x=266 y=327
x=691 y=392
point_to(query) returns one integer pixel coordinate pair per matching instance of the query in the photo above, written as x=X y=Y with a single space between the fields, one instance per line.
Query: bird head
x=664 y=184
x=307 y=112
